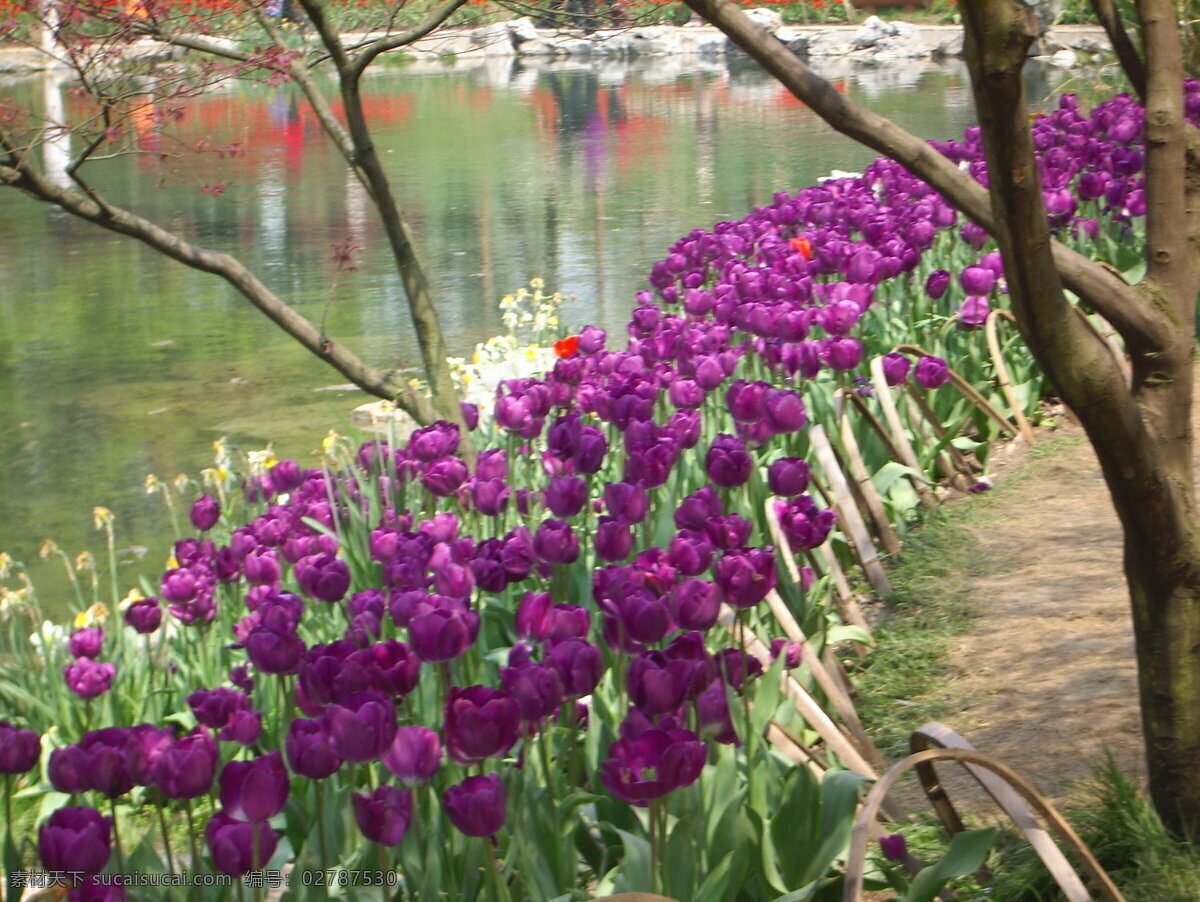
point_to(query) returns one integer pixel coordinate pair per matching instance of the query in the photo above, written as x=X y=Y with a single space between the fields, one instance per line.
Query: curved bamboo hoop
x=869 y=812
x=848 y=512
x=944 y=463
x=965 y=387
x=936 y=735
x=862 y=479
x=1002 y=376
x=957 y=458
x=806 y=706
x=906 y=454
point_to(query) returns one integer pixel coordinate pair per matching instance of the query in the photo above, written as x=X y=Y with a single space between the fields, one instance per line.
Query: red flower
x=568 y=347
x=803 y=245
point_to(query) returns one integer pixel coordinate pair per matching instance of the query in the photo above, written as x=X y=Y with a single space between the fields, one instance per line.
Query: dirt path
x=1045 y=679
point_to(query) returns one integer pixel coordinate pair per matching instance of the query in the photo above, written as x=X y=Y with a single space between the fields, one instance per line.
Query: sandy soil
x=1046 y=678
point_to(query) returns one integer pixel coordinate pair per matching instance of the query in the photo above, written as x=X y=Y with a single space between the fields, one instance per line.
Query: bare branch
x=1118 y=36
x=389 y=385
x=1104 y=291
x=435 y=19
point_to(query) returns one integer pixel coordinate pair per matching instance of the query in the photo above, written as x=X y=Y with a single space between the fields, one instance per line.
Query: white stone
x=769 y=19
x=523 y=29
x=1064 y=59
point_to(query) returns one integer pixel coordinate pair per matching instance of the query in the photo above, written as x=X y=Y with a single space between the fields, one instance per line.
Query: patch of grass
x=1119 y=825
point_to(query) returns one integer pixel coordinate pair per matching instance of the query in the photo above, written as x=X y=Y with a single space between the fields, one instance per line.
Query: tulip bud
x=205 y=512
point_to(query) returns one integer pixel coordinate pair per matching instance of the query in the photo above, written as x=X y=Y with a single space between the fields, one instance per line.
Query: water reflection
x=115 y=362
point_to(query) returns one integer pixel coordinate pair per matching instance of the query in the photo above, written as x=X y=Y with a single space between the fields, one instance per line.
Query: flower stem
x=195 y=862
x=112 y=807
x=654 y=845
x=500 y=888
x=162 y=823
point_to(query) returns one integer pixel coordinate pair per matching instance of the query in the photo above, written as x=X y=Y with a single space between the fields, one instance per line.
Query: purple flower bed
x=507 y=679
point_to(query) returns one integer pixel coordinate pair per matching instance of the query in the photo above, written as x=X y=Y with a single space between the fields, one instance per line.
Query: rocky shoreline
x=874 y=42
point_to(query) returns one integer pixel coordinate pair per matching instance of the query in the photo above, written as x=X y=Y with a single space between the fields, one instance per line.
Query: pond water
x=116 y=363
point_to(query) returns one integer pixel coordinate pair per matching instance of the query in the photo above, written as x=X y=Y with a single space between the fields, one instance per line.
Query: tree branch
x=1118 y=36
x=435 y=19
x=389 y=385
x=1105 y=291
x=408 y=262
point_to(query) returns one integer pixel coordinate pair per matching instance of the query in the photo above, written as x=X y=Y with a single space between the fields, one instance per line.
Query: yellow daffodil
x=47 y=548
x=101 y=517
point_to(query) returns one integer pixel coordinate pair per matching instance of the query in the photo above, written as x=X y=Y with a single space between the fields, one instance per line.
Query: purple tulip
x=685 y=394
x=931 y=372
x=238 y=847
x=75 y=839
x=442 y=634
x=893 y=846
x=785 y=412
x=788 y=476
x=592 y=448
x=737 y=666
x=86 y=642
x=178 y=586
x=804 y=525
x=614 y=539
x=656 y=684
x=746 y=576
x=652 y=765
x=19 y=749
x=728 y=464
x=215 y=707
x=712 y=712
x=536 y=689
x=747 y=400
x=323 y=577
x=728 y=532
x=254 y=790
x=244 y=728
x=185 y=769
x=565 y=496
x=579 y=665
x=690 y=552
x=286 y=476
x=274 y=651
x=394 y=667
x=384 y=815
x=89 y=679
x=415 y=755
x=361 y=727
x=556 y=543
x=974 y=312
x=936 y=284
x=444 y=476
x=434 y=441
x=626 y=500
x=695 y=604
x=205 y=512
x=480 y=723
x=843 y=353
x=470 y=415
x=697 y=508
x=490 y=496
x=144 y=615
x=261 y=567
x=591 y=339
x=977 y=280
x=477 y=806
x=895 y=368
x=310 y=751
